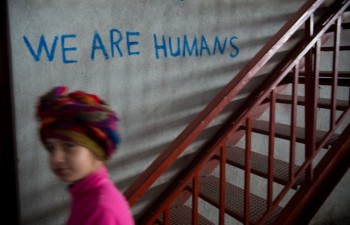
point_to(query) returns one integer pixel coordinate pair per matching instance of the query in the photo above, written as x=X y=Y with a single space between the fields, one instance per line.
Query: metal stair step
x=322 y=102
x=259 y=165
x=341 y=81
x=182 y=215
x=330 y=48
x=344 y=25
x=325 y=78
x=328 y=74
x=283 y=131
x=234 y=199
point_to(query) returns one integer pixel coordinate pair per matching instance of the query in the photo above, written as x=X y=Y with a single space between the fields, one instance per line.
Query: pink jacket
x=96 y=201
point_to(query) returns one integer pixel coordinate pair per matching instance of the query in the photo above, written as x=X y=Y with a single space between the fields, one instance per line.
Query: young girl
x=79 y=131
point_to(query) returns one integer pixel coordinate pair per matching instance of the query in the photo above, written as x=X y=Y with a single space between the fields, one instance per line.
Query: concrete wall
x=138 y=56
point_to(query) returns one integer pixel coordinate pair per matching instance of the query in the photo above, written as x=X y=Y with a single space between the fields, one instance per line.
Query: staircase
x=287 y=177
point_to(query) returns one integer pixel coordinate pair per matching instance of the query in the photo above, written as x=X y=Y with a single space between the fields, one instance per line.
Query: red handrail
x=137 y=189
x=218 y=142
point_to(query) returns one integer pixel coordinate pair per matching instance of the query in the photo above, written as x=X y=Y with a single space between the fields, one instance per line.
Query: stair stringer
x=305 y=203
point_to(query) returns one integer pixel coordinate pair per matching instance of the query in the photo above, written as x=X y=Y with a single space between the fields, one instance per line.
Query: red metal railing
x=265 y=97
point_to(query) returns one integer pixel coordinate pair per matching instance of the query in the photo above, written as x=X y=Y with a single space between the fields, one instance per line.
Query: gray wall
x=114 y=48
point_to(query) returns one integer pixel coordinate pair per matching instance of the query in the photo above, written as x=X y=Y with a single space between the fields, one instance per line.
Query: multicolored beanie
x=78 y=117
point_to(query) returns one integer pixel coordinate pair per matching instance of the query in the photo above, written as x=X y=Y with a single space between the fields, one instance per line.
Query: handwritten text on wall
x=127 y=44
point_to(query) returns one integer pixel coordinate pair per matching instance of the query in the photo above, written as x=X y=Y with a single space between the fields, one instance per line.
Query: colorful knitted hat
x=79 y=117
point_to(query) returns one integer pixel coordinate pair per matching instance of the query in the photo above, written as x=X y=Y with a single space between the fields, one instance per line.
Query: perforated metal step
x=283 y=131
x=345 y=26
x=322 y=102
x=341 y=48
x=341 y=81
x=234 y=199
x=182 y=215
x=259 y=165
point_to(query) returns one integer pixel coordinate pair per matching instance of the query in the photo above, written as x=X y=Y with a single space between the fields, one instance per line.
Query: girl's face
x=69 y=161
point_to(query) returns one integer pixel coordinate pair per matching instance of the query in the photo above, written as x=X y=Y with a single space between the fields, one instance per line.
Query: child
x=79 y=131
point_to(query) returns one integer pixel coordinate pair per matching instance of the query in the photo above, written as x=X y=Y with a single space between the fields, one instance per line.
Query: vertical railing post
x=315 y=92
x=310 y=95
x=271 y=149
x=336 y=46
x=195 y=199
x=293 y=122
x=223 y=156
x=247 y=171
x=166 y=215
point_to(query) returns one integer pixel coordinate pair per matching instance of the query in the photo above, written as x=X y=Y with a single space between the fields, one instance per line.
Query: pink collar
x=90 y=182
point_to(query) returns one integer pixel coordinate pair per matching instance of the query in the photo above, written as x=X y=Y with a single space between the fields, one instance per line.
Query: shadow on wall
x=341 y=221
x=177 y=113
x=171 y=117
x=47 y=215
